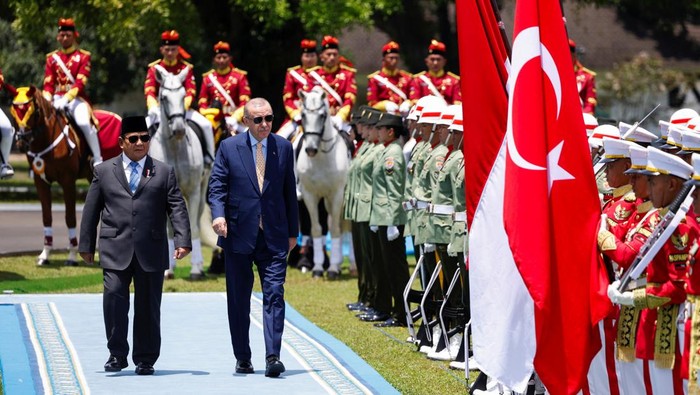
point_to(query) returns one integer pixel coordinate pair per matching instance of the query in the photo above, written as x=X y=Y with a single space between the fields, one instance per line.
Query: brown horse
x=56 y=153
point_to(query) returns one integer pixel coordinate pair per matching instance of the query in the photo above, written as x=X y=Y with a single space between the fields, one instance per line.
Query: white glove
x=297 y=118
x=617 y=297
x=405 y=107
x=337 y=122
x=374 y=228
x=603 y=222
x=154 y=112
x=392 y=233
x=428 y=247
x=391 y=107
x=60 y=103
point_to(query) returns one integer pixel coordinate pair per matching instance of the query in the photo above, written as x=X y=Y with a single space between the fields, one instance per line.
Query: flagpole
x=501 y=27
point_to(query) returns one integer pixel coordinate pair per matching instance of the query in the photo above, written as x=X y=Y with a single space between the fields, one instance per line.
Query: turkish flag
x=551 y=207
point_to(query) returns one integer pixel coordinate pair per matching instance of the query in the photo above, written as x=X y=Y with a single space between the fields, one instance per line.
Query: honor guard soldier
x=439 y=230
x=648 y=331
x=226 y=84
x=388 y=217
x=297 y=79
x=7 y=134
x=65 y=80
x=388 y=88
x=585 y=82
x=173 y=62
x=595 y=142
x=338 y=80
x=436 y=81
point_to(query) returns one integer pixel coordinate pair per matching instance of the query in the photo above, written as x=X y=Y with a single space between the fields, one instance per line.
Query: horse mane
x=43 y=106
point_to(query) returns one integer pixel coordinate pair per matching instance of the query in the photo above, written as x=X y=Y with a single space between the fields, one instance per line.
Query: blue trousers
x=272 y=270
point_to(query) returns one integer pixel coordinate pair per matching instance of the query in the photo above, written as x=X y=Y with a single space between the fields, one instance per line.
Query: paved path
x=56 y=344
x=21 y=230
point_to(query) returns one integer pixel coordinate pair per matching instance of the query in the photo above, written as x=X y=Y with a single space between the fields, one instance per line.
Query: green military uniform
x=389 y=178
x=422 y=191
x=411 y=169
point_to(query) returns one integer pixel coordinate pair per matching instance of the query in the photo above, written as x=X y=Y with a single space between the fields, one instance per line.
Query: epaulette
x=372 y=75
x=188 y=64
x=84 y=51
x=404 y=72
x=453 y=75
x=207 y=73
x=51 y=53
x=589 y=71
x=348 y=68
x=294 y=68
x=419 y=74
x=155 y=62
x=314 y=68
x=630 y=197
x=236 y=69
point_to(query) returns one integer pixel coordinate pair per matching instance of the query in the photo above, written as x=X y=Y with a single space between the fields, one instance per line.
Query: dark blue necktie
x=134 y=177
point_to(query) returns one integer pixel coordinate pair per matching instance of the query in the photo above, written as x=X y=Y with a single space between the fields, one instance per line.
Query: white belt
x=460 y=216
x=441 y=209
x=420 y=204
x=407 y=205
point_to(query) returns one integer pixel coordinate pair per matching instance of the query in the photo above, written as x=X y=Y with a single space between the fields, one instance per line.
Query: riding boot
x=94 y=144
x=6 y=170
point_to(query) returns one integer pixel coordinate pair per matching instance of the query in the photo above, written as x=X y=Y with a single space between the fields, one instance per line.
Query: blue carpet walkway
x=56 y=344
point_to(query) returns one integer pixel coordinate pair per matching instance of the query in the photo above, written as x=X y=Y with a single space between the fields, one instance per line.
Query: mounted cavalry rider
x=297 y=79
x=173 y=62
x=436 y=81
x=65 y=78
x=388 y=88
x=338 y=80
x=228 y=85
x=7 y=133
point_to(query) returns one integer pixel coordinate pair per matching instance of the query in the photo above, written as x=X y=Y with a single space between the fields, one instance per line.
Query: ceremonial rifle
x=636 y=124
x=663 y=230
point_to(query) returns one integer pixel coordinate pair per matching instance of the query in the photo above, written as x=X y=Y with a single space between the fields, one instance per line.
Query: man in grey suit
x=134 y=195
x=252 y=194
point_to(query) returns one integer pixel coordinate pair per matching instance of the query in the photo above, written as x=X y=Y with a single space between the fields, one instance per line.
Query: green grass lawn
x=322 y=302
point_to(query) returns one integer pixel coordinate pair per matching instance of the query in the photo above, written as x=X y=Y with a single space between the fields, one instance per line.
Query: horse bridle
x=321 y=133
x=168 y=116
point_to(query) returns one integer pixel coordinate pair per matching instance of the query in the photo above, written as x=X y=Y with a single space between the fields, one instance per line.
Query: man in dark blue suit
x=252 y=194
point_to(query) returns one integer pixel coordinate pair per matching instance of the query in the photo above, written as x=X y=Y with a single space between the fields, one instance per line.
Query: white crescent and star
x=526 y=47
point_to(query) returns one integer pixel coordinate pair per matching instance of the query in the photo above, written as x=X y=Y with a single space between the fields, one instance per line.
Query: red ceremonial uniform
x=446 y=83
x=378 y=91
x=56 y=82
x=2 y=80
x=235 y=83
x=342 y=80
x=151 y=86
x=585 y=82
x=296 y=79
x=691 y=351
x=620 y=209
x=623 y=251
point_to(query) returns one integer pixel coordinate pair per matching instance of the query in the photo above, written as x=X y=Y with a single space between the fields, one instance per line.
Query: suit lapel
x=245 y=150
x=120 y=175
x=271 y=162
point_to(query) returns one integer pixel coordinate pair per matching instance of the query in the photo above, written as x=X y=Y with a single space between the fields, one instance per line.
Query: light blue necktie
x=134 y=177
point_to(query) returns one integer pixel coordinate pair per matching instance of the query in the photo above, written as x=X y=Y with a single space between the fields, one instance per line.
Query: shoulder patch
x=389 y=164
x=630 y=197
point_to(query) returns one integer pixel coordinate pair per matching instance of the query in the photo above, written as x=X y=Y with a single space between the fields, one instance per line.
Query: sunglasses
x=144 y=138
x=258 y=120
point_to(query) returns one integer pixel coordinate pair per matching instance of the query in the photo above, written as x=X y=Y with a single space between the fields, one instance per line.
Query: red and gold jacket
x=56 y=82
x=151 y=85
x=235 y=83
x=446 y=83
x=292 y=85
x=620 y=209
x=585 y=82
x=640 y=225
x=2 y=80
x=342 y=80
x=378 y=93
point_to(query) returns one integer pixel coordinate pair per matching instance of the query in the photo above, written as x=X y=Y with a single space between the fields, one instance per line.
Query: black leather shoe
x=375 y=317
x=391 y=322
x=115 y=364
x=244 y=367
x=274 y=366
x=144 y=369
x=369 y=311
x=358 y=306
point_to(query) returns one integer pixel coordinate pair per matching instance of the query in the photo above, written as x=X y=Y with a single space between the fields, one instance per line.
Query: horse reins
x=321 y=133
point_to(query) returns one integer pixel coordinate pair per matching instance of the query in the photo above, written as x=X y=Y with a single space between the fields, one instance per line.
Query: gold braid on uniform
x=626 y=333
x=665 y=340
x=693 y=388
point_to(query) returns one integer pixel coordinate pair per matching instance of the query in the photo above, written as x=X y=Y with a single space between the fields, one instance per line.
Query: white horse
x=177 y=144
x=322 y=168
